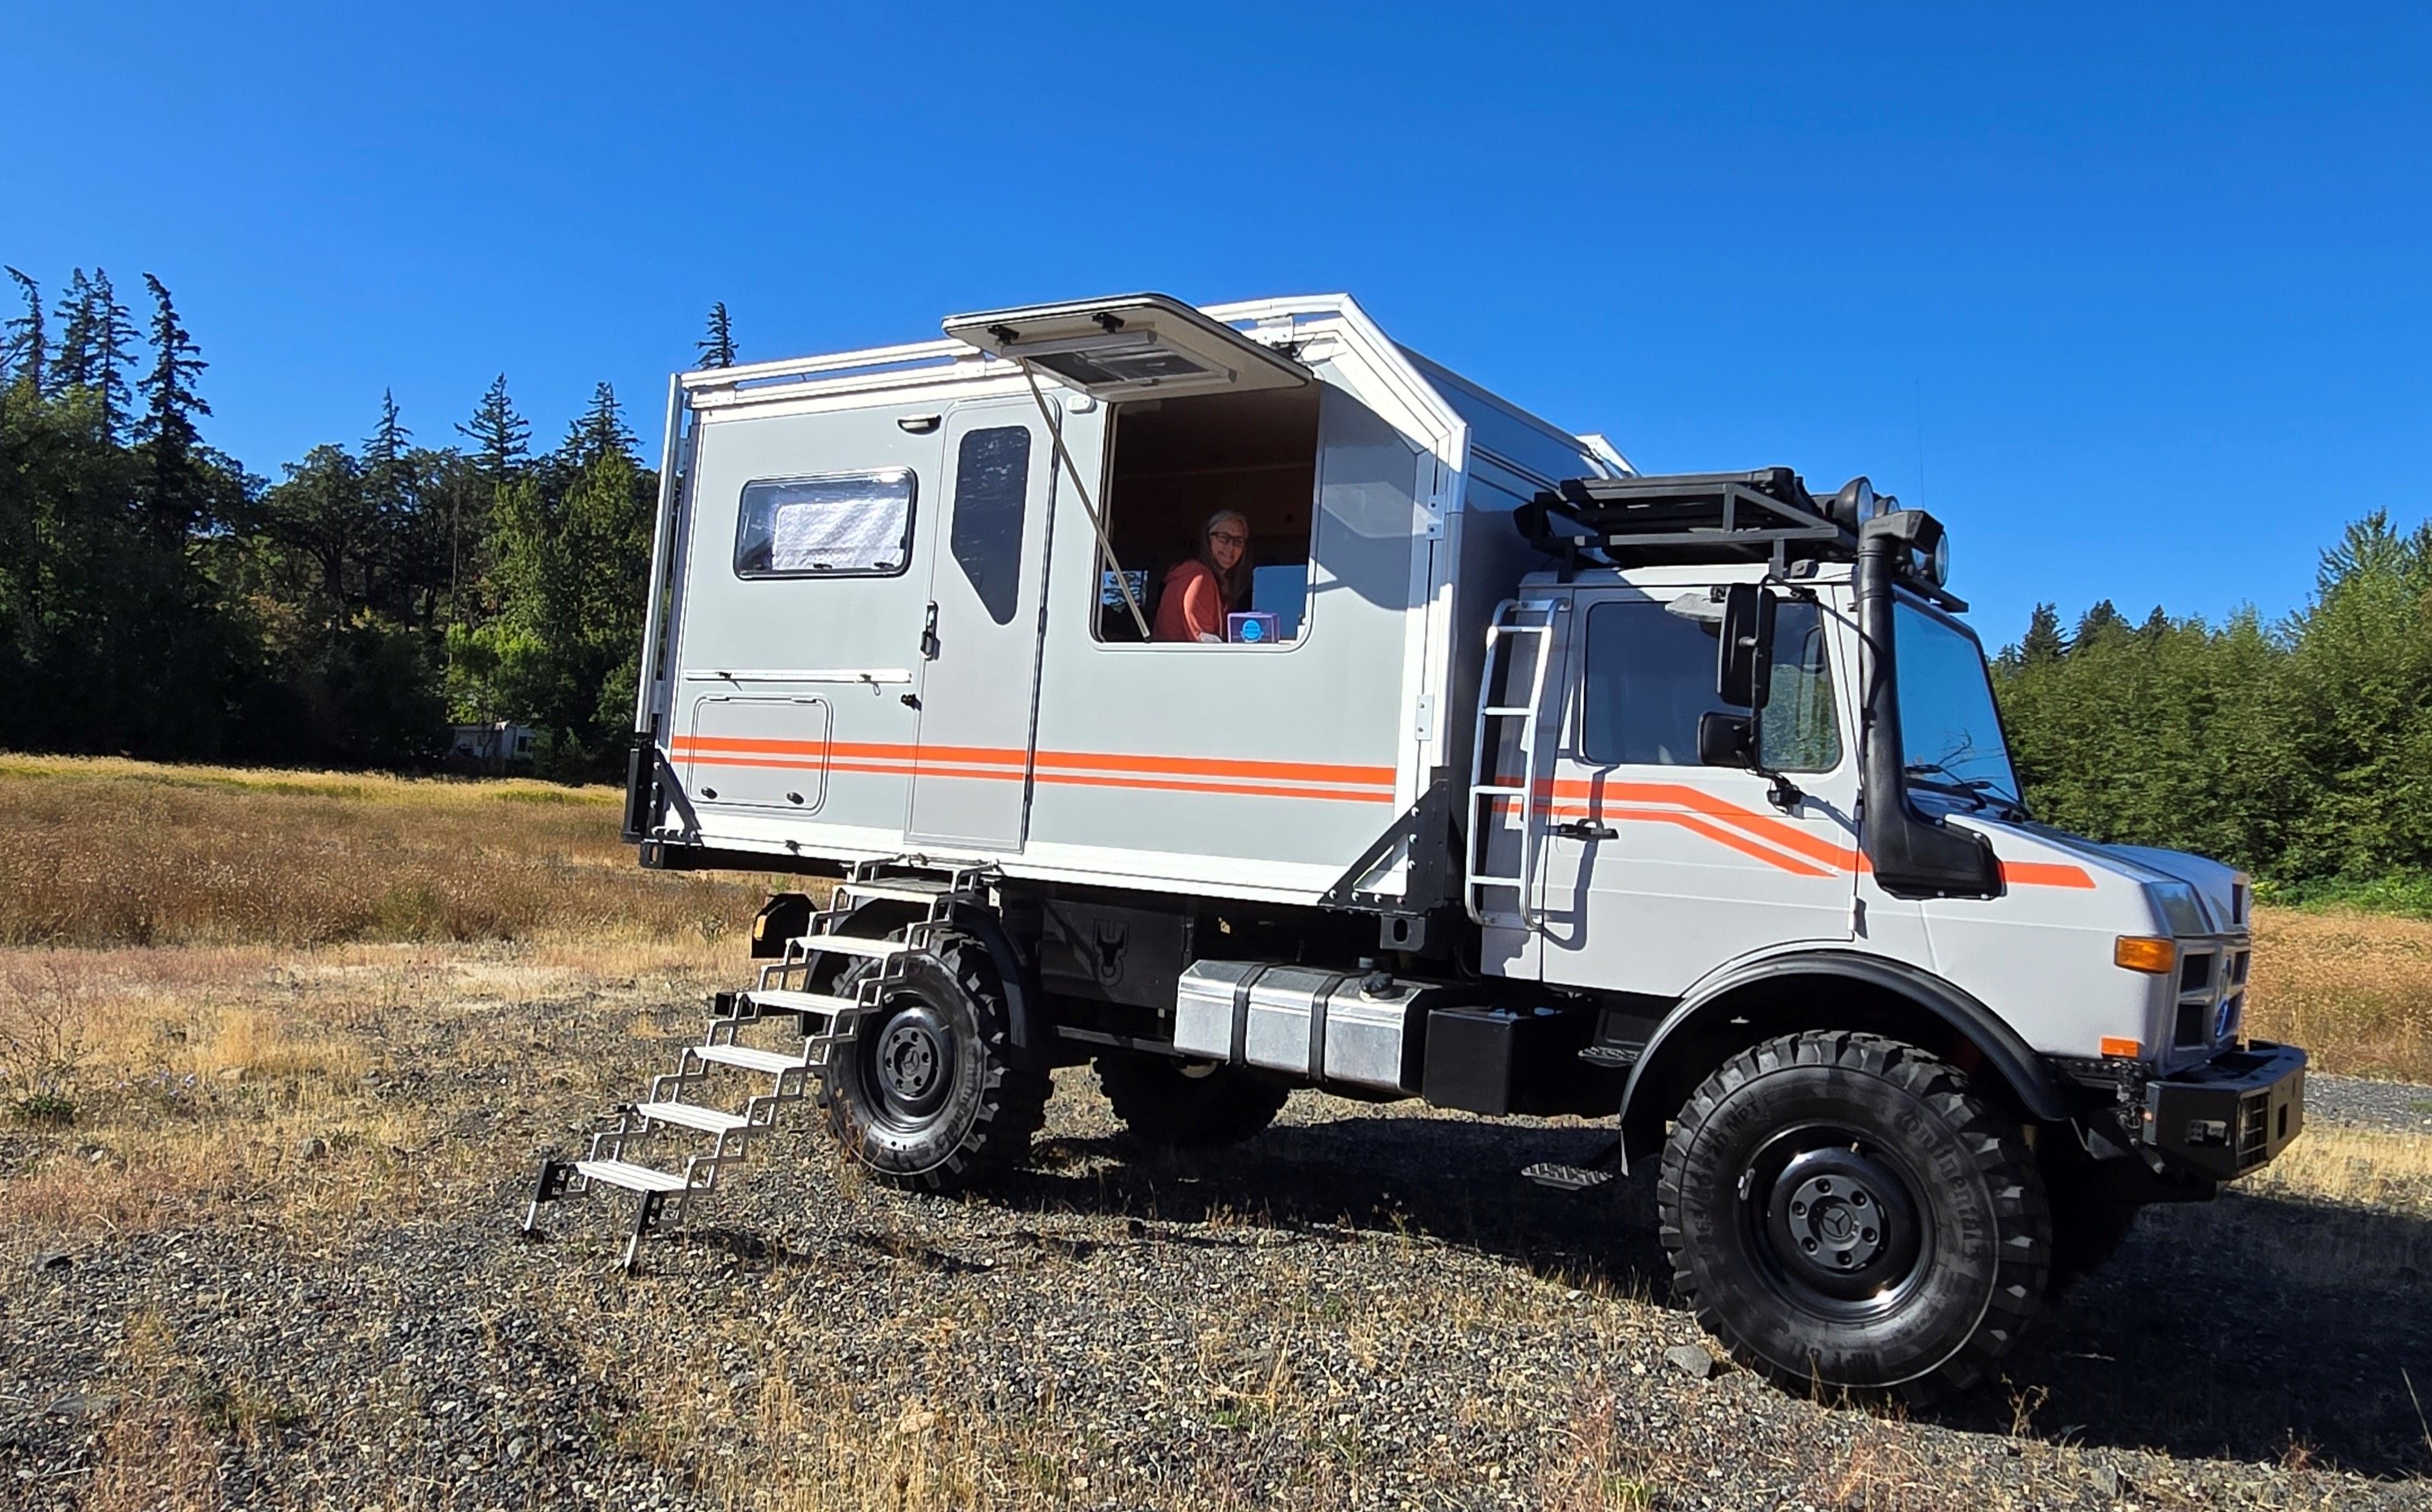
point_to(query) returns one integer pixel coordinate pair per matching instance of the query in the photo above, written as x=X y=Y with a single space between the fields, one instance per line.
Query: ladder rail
x=1484 y=796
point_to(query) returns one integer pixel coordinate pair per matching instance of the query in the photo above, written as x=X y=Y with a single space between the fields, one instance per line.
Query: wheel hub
x=913 y=1058
x=1841 y=1223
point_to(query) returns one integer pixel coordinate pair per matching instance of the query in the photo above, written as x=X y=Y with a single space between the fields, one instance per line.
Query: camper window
x=855 y=524
x=1178 y=463
x=992 y=490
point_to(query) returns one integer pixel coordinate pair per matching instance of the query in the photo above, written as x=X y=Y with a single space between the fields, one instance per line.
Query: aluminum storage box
x=1287 y=1020
x=1203 y=1006
x=1368 y=1039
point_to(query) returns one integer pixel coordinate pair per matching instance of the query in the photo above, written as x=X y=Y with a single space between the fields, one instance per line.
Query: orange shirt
x=1190 y=607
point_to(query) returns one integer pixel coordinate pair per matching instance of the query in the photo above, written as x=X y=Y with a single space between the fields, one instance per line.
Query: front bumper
x=2231 y=1114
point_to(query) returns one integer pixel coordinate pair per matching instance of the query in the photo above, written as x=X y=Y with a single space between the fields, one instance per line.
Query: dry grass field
x=278 y=1052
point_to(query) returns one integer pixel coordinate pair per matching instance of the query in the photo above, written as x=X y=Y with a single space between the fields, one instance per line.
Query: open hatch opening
x=1176 y=464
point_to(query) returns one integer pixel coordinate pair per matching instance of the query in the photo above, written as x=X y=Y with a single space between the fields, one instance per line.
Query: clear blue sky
x=2137 y=298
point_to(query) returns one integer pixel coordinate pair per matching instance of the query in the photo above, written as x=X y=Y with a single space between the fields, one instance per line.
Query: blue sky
x=2137 y=298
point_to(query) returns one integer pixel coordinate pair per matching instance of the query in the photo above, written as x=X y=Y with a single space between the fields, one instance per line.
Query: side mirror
x=1726 y=739
x=1746 y=650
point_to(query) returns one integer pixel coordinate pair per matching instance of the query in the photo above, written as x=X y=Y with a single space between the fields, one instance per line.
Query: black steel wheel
x=1187 y=1104
x=925 y=1094
x=1844 y=1212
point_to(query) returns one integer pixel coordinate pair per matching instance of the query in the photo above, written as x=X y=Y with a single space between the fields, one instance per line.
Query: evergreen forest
x=159 y=600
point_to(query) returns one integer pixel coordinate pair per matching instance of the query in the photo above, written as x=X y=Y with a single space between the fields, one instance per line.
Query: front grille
x=2254 y=1128
x=2212 y=995
x=2195 y=974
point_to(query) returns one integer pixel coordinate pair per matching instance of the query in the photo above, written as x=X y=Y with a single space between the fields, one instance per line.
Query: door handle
x=929 y=634
x=1585 y=829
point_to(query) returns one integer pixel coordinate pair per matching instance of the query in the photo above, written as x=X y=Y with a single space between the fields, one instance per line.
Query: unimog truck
x=1518 y=782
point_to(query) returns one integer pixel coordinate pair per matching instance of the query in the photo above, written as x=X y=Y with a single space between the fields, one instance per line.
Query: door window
x=991 y=491
x=1651 y=677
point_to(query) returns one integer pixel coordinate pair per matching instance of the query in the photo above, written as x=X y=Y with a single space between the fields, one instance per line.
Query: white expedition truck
x=1521 y=784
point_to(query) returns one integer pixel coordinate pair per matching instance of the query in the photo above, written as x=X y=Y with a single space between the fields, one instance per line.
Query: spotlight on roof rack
x=1854 y=506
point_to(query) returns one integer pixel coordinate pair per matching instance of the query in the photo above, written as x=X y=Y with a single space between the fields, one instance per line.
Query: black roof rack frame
x=1692 y=518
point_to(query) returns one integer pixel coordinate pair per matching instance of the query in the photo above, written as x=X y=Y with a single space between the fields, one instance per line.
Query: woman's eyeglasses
x=1228 y=538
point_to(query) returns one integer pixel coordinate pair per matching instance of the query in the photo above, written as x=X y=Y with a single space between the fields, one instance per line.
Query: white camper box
x=970 y=685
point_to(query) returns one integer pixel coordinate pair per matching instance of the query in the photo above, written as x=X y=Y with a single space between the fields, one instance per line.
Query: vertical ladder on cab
x=1490 y=787
x=782 y=991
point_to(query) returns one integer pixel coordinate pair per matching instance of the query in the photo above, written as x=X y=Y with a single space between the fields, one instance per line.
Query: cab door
x=1656 y=869
x=987 y=565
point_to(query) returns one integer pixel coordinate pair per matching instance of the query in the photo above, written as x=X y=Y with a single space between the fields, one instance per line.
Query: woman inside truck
x=1200 y=591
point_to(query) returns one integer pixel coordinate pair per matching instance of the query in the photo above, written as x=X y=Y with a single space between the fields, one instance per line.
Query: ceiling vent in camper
x=1132 y=345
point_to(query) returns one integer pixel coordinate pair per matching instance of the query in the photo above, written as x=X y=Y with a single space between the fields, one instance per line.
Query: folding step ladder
x=782 y=990
x=1491 y=788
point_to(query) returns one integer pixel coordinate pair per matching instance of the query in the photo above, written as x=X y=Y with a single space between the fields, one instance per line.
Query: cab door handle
x=1585 y=829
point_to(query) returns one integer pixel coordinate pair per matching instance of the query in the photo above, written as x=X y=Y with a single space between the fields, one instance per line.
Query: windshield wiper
x=1971 y=789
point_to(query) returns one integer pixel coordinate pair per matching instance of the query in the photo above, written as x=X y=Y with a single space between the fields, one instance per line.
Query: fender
x=2024 y=1072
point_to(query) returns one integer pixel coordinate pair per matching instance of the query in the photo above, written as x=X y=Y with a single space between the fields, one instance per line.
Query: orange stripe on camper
x=1157 y=773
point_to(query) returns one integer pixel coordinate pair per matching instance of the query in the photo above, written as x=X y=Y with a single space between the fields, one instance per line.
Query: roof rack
x=1686 y=517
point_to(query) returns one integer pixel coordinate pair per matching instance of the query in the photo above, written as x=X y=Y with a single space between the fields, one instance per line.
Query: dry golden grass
x=2353 y=989
x=109 y=852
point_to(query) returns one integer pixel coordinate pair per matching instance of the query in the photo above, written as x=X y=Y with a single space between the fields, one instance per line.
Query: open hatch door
x=1131 y=346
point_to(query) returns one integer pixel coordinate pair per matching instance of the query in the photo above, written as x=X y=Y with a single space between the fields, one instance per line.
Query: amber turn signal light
x=2147 y=953
x=2114 y=1044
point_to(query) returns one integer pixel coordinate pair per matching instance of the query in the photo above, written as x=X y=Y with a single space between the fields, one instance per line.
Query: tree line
x=2300 y=749
x=156 y=599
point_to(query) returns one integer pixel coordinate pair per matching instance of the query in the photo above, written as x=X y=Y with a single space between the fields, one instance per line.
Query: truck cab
x=1530 y=785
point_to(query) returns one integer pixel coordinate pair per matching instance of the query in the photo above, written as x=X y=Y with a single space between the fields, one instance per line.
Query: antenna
x=1919 y=385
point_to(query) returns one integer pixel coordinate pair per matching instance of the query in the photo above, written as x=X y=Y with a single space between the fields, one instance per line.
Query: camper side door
x=799 y=640
x=1658 y=867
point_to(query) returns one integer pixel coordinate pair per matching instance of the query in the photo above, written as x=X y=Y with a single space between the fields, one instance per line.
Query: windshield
x=1950 y=736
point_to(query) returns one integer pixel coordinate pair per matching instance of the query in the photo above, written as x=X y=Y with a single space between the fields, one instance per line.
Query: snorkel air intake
x=1913 y=856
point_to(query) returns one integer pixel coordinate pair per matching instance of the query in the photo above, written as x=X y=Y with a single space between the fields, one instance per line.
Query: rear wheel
x=1843 y=1210
x=1185 y=1104
x=925 y=1094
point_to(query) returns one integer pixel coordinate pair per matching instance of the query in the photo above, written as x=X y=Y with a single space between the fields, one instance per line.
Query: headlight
x=2179 y=908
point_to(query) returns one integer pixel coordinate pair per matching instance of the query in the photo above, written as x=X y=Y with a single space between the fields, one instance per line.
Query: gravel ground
x=2404 y=1107
x=1359 y=1307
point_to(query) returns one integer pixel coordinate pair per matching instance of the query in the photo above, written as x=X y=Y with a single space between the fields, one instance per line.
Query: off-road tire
x=976 y=1111
x=1956 y=1267
x=1182 y=1105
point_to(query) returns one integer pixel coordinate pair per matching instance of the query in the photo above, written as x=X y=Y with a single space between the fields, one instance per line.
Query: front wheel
x=1843 y=1210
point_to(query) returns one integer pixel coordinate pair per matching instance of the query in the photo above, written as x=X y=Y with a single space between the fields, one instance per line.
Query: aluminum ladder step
x=890 y=893
x=852 y=945
x=785 y=1000
x=748 y=1058
x=708 y=1120
x=630 y=1177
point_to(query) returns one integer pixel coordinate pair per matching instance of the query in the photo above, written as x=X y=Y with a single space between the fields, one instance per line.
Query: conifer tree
x=113 y=352
x=175 y=495
x=717 y=347
x=22 y=348
x=600 y=432
x=501 y=438
x=72 y=360
x=2044 y=641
